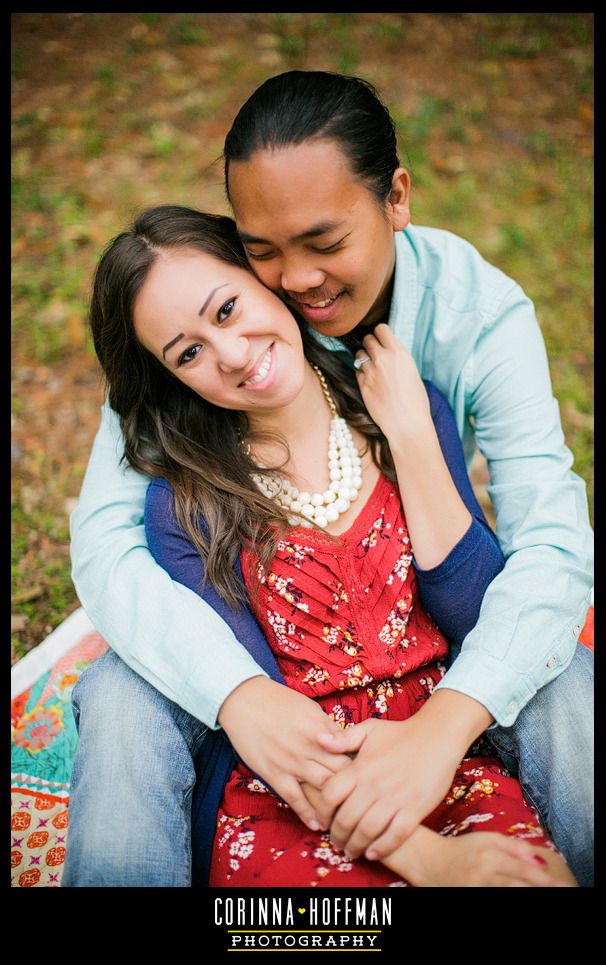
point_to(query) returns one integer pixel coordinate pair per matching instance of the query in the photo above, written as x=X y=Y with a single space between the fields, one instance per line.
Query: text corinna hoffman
x=306 y=914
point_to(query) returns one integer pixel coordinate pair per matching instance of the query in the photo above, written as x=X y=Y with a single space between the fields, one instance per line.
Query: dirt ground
x=115 y=111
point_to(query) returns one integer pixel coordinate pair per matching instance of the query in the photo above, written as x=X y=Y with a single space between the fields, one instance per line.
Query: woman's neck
x=305 y=425
x=303 y=421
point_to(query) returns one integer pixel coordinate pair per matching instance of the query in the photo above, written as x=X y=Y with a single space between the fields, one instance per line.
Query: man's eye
x=226 y=310
x=330 y=248
x=189 y=354
x=265 y=256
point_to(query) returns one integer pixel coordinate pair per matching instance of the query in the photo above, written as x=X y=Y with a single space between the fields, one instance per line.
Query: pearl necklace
x=344 y=469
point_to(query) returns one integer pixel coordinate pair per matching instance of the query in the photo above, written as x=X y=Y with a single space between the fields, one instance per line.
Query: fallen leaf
x=26 y=595
x=19 y=622
x=580 y=420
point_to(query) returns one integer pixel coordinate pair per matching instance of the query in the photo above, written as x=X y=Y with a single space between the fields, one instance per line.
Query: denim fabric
x=550 y=750
x=132 y=783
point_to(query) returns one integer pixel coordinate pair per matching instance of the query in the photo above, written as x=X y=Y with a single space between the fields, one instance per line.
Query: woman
x=320 y=200
x=271 y=480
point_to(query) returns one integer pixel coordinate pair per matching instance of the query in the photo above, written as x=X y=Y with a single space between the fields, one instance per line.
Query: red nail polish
x=538 y=860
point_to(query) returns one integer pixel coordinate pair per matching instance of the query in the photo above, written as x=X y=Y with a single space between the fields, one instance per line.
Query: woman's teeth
x=263 y=370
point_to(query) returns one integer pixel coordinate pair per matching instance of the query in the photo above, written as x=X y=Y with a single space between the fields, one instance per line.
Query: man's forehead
x=313 y=230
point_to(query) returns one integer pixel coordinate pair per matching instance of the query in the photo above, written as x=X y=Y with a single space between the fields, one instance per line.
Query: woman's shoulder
x=160 y=493
x=442 y=414
x=437 y=400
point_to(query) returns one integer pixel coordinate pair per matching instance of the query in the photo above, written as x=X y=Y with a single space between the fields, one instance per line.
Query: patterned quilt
x=43 y=744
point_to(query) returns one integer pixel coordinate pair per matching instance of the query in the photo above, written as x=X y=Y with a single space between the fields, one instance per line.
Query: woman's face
x=316 y=235
x=220 y=331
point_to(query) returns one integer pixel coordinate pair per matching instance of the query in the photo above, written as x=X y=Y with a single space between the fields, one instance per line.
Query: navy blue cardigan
x=452 y=593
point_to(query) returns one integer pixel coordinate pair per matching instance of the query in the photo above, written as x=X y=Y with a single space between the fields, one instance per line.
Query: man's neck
x=353 y=340
x=377 y=315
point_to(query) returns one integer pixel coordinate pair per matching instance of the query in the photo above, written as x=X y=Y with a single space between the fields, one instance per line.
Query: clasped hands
x=389 y=783
x=369 y=785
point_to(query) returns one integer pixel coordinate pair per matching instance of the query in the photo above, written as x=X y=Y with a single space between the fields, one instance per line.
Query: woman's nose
x=233 y=352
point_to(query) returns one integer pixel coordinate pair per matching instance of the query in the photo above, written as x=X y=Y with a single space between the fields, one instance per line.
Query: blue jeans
x=550 y=751
x=134 y=776
x=132 y=783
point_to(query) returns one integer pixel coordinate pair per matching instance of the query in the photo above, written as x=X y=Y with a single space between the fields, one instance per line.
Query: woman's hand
x=391 y=386
x=401 y=772
x=482 y=859
x=275 y=732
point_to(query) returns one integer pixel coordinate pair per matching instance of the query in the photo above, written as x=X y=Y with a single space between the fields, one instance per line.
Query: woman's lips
x=266 y=371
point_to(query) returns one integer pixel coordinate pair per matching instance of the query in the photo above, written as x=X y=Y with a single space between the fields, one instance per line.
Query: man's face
x=316 y=235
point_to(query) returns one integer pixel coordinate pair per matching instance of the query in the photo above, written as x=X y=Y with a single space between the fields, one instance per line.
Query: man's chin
x=336 y=328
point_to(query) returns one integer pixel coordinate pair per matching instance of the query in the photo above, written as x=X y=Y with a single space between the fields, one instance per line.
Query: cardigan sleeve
x=453 y=591
x=173 y=550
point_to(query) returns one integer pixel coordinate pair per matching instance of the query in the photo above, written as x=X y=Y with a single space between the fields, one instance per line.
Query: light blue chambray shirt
x=474 y=334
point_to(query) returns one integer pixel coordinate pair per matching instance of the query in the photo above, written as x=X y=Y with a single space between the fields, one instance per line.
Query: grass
x=500 y=153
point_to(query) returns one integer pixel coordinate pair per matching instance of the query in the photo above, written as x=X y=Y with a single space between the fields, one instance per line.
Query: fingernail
x=314 y=826
x=538 y=860
x=372 y=855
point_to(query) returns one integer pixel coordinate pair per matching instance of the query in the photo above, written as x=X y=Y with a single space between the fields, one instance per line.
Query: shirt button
x=577 y=629
x=552 y=662
x=512 y=706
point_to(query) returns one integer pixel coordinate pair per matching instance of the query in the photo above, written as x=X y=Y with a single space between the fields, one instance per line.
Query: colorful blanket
x=43 y=745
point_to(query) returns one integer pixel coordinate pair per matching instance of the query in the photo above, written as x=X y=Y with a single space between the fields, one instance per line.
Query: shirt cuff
x=229 y=682
x=469 y=675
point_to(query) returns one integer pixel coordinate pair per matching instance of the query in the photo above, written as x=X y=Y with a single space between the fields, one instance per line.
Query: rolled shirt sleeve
x=533 y=611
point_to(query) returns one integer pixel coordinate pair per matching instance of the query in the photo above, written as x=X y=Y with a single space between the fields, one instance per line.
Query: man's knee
x=122 y=719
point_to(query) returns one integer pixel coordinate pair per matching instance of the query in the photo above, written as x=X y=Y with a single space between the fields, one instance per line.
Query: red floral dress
x=348 y=629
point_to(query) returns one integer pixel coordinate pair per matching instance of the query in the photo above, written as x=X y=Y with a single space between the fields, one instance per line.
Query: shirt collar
x=404 y=299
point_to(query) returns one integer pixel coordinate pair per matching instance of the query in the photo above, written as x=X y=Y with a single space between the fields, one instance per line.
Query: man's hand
x=275 y=731
x=401 y=772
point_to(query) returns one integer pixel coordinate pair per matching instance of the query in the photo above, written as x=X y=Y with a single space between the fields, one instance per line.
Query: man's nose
x=299 y=276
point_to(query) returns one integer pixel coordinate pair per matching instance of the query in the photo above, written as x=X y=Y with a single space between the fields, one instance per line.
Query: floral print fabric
x=345 y=622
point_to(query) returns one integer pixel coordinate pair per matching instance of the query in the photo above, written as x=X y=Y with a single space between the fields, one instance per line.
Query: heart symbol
x=301 y=911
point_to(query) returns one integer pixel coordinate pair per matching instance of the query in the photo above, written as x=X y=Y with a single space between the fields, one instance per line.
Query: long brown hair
x=170 y=431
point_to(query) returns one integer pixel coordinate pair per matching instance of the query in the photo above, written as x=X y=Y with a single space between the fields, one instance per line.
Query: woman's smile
x=264 y=372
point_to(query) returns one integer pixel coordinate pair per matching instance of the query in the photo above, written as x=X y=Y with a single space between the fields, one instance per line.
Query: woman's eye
x=189 y=354
x=226 y=310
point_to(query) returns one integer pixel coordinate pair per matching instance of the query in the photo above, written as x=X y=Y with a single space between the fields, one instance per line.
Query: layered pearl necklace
x=344 y=469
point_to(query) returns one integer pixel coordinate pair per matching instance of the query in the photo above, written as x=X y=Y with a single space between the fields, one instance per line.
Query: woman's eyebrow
x=319 y=229
x=210 y=295
x=171 y=343
x=201 y=312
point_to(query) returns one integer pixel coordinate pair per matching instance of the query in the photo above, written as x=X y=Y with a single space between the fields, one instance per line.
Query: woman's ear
x=398 y=202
